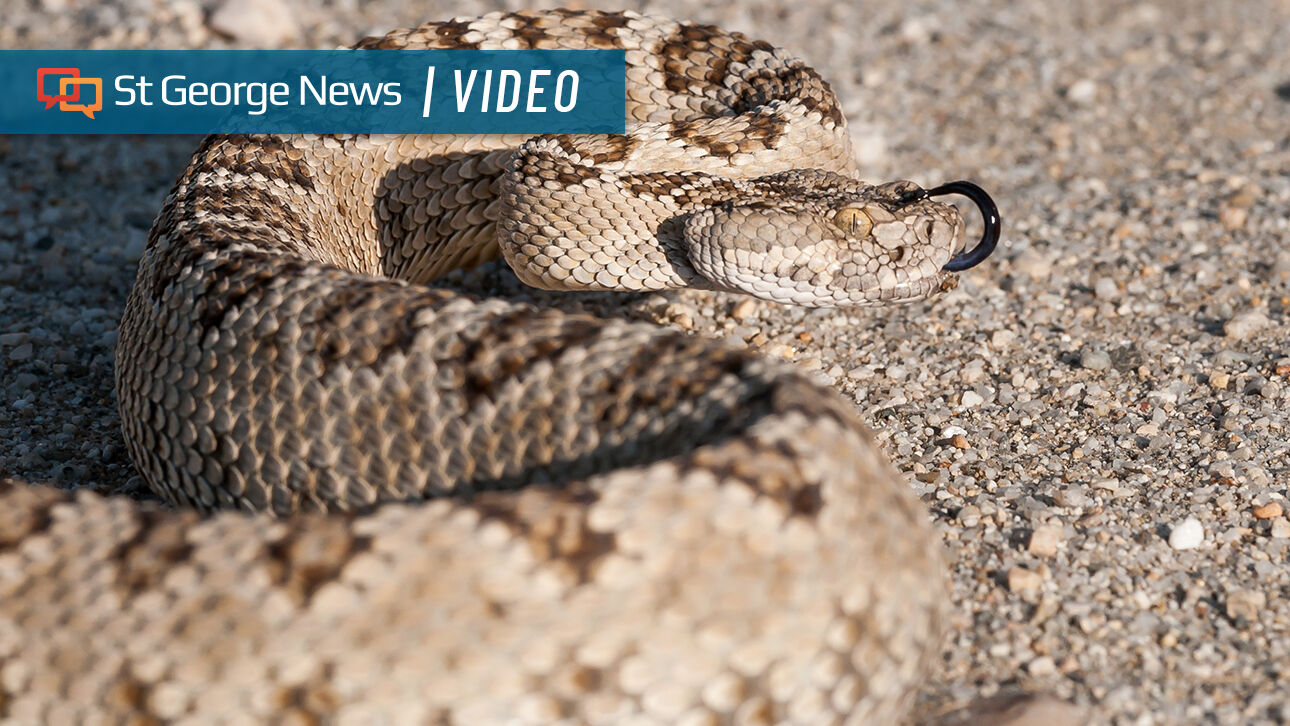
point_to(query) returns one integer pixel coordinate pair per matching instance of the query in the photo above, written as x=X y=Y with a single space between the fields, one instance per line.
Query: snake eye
x=853 y=221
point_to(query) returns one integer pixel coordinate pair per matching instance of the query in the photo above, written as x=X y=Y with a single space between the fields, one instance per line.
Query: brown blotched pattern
x=474 y=512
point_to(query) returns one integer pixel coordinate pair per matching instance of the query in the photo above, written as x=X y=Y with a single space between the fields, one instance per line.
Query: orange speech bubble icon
x=86 y=108
x=49 y=100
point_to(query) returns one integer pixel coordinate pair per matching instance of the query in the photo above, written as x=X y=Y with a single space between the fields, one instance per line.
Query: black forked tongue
x=969 y=258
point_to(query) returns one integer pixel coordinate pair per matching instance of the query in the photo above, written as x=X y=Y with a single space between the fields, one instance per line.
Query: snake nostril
x=928 y=227
x=897 y=254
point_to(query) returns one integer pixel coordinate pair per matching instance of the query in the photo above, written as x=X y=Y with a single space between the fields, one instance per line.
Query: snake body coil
x=466 y=511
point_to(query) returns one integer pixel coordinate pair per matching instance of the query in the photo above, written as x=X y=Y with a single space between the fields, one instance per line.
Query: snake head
x=820 y=239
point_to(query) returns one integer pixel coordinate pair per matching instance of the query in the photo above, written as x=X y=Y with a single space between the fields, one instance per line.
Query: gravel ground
x=1097 y=418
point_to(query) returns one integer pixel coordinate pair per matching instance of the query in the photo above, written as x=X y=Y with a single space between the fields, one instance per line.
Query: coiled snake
x=535 y=518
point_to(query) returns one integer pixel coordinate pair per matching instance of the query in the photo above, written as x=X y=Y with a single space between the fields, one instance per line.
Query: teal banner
x=303 y=91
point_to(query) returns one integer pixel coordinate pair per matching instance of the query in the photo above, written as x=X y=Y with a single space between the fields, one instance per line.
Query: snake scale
x=470 y=511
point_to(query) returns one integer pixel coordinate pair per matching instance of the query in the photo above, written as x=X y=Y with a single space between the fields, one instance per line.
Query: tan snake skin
x=536 y=518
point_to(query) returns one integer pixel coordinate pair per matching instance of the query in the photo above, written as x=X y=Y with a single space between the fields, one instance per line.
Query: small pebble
x=1235 y=209
x=1042 y=666
x=972 y=399
x=1246 y=604
x=1219 y=380
x=743 y=309
x=1024 y=582
x=1232 y=218
x=916 y=30
x=779 y=350
x=1082 y=92
x=939 y=476
x=1280 y=528
x=1074 y=496
x=1244 y=324
x=1187 y=534
x=1044 y=540
x=1106 y=289
x=679 y=314
x=1094 y=359
x=1271 y=510
x=959 y=441
x=1032 y=264
x=1106 y=484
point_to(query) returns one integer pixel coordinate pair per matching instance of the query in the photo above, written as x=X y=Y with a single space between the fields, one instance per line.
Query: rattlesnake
x=644 y=527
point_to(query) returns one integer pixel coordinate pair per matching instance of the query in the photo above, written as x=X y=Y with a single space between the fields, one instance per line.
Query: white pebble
x=1187 y=534
x=1082 y=92
x=1094 y=359
x=1074 y=496
x=1001 y=339
x=1042 y=667
x=1246 y=323
x=1110 y=485
x=1280 y=528
x=916 y=30
x=972 y=399
x=1106 y=289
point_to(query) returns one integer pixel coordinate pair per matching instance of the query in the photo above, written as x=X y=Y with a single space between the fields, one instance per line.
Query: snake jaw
x=818 y=256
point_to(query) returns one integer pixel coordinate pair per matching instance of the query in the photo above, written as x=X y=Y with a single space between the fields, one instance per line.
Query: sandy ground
x=1121 y=366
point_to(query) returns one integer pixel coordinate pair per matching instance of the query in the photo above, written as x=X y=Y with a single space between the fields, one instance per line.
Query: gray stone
x=1094 y=358
x=1245 y=324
